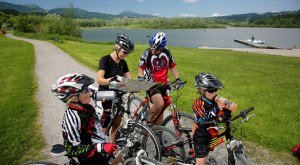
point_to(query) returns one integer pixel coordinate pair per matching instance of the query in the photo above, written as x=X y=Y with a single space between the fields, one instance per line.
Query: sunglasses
x=86 y=91
x=125 y=52
x=212 y=90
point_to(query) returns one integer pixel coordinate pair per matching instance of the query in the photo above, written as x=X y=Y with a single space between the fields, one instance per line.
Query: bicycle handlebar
x=242 y=114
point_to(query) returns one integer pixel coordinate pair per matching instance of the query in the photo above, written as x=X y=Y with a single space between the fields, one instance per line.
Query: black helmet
x=207 y=81
x=70 y=85
x=125 y=42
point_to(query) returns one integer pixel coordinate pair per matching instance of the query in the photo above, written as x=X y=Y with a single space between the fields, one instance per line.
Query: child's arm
x=200 y=114
x=225 y=103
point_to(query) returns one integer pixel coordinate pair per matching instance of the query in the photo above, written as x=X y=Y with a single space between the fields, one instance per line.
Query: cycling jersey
x=203 y=134
x=112 y=68
x=82 y=131
x=156 y=67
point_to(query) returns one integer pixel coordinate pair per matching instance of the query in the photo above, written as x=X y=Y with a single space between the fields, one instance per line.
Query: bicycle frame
x=233 y=146
x=168 y=102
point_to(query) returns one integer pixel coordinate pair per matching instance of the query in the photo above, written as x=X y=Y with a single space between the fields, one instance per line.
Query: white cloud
x=217 y=15
x=190 y=1
x=140 y=0
x=187 y=15
x=156 y=14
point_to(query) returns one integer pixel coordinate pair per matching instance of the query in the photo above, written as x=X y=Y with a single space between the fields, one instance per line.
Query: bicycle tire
x=242 y=159
x=39 y=163
x=132 y=105
x=143 y=135
x=185 y=120
x=166 y=137
x=146 y=160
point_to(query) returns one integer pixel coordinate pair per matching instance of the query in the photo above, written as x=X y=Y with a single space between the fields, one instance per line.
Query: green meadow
x=21 y=137
x=270 y=83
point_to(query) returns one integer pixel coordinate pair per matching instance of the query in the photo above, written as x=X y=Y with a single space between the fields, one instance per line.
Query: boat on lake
x=256 y=41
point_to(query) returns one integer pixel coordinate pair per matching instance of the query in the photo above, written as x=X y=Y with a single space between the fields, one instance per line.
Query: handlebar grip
x=243 y=113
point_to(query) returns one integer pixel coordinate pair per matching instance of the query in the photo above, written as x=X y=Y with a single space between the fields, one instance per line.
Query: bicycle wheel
x=166 y=138
x=142 y=137
x=39 y=163
x=186 y=120
x=132 y=105
x=146 y=160
x=242 y=159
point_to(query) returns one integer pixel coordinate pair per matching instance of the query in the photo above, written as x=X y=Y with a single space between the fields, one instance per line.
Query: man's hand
x=180 y=83
x=141 y=78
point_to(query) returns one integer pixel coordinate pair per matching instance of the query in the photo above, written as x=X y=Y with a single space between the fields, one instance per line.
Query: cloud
x=156 y=14
x=190 y=1
x=217 y=15
x=187 y=15
x=140 y=0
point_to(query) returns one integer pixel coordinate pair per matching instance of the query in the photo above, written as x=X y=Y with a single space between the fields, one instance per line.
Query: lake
x=223 y=38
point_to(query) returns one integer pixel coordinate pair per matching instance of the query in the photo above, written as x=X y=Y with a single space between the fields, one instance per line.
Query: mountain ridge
x=84 y=14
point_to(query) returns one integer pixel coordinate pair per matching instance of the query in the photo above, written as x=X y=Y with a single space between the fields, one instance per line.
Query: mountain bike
x=178 y=122
x=141 y=132
x=235 y=148
x=131 y=153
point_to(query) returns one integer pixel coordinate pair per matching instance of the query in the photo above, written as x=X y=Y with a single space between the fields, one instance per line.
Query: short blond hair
x=72 y=99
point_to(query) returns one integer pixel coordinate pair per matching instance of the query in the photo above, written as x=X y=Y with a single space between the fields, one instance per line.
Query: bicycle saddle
x=184 y=129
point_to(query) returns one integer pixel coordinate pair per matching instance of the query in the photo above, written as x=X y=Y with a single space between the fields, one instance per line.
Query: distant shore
x=281 y=52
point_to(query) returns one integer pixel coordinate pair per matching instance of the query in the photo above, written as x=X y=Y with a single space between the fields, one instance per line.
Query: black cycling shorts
x=161 y=90
x=201 y=146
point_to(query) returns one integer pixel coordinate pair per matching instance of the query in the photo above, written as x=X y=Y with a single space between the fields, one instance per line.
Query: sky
x=171 y=8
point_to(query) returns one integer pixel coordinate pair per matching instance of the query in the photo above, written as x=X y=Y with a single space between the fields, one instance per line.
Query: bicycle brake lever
x=247 y=117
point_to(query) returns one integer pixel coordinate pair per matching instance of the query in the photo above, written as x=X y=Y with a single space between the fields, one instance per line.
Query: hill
x=79 y=13
x=131 y=14
x=22 y=8
x=253 y=16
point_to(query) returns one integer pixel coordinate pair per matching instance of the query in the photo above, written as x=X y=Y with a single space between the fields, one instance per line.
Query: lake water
x=223 y=38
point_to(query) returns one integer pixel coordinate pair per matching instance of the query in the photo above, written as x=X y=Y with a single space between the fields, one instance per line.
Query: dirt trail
x=280 y=52
x=51 y=63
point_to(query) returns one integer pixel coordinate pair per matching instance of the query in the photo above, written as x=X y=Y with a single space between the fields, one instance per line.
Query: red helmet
x=70 y=85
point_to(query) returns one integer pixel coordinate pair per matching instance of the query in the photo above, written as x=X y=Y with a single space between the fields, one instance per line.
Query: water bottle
x=227 y=103
x=103 y=95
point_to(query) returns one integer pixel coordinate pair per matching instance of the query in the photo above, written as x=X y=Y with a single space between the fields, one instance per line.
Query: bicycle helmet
x=207 y=81
x=158 y=41
x=70 y=85
x=125 y=42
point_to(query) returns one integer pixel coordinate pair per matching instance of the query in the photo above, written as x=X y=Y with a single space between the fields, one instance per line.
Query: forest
x=66 y=24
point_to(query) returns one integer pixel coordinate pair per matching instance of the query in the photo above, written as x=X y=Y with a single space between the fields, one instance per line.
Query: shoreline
x=278 y=52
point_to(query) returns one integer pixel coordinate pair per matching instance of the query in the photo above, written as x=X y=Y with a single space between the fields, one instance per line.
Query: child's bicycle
x=235 y=149
x=130 y=151
x=178 y=122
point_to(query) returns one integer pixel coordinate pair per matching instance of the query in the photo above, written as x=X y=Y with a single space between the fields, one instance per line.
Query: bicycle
x=178 y=122
x=150 y=142
x=235 y=148
x=131 y=155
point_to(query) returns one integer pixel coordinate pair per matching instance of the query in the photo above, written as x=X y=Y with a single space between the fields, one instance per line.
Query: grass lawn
x=270 y=83
x=21 y=137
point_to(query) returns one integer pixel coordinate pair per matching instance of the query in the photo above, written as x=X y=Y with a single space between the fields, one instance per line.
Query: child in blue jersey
x=209 y=106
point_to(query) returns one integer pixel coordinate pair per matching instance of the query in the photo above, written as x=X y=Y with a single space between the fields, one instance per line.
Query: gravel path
x=280 y=52
x=52 y=63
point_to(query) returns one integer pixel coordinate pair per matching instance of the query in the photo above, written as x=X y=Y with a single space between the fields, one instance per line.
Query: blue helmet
x=158 y=41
